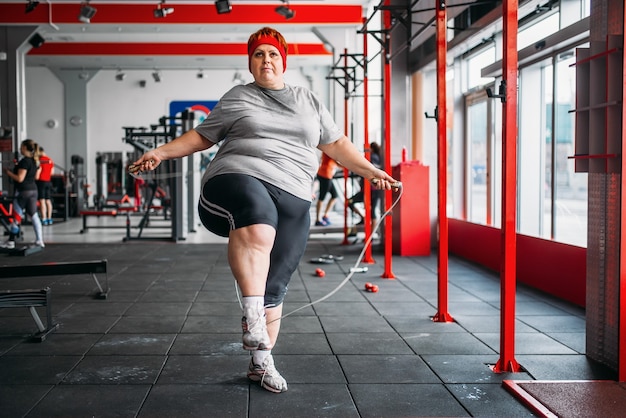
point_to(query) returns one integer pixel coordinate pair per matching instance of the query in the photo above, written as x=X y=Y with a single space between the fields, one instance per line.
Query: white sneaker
x=9 y=245
x=254 y=327
x=267 y=374
x=40 y=244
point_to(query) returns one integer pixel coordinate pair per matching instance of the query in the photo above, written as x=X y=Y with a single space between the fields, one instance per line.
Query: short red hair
x=268 y=36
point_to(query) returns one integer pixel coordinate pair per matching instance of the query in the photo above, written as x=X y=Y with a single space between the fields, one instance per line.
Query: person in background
x=44 y=187
x=257 y=189
x=25 y=197
x=325 y=175
x=376 y=196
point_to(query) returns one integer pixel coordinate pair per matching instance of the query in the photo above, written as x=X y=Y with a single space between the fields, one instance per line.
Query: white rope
x=356 y=264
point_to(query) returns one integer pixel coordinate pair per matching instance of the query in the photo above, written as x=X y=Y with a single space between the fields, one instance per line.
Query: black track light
x=162 y=11
x=223 y=6
x=285 y=11
x=31 y=5
x=86 y=12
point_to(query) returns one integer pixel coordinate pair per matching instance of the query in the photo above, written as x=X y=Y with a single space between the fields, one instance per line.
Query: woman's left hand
x=383 y=181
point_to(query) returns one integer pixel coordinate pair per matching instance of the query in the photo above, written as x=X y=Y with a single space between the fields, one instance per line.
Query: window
x=476 y=63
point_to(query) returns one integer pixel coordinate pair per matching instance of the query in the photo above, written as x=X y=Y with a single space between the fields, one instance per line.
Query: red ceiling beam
x=66 y=13
x=105 y=48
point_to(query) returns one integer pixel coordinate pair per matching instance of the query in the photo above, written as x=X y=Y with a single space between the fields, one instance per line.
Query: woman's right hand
x=149 y=161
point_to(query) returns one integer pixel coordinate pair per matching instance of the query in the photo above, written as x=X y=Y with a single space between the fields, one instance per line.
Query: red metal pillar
x=507 y=362
x=367 y=193
x=442 y=314
x=621 y=344
x=387 y=274
x=345 y=130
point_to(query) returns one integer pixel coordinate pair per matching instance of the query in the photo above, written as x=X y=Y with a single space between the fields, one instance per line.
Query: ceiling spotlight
x=157 y=76
x=162 y=11
x=285 y=11
x=223 y=6
x=86 y=12
x=120 y=76
x=32 y=5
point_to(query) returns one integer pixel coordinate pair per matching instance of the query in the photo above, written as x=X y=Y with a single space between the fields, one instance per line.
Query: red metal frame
x=345 y=170
x=442 y=314
x=367 y=192
x=507 y=362
x=387 y=274
x=621 y=345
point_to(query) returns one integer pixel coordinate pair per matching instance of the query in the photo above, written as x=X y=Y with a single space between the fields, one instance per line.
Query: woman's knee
x=257 y=235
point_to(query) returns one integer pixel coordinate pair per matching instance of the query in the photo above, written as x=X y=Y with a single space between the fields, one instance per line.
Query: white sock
x=259 y=356
x=252 y=304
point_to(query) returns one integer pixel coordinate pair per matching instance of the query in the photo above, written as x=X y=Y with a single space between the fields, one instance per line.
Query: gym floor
x=166 y=342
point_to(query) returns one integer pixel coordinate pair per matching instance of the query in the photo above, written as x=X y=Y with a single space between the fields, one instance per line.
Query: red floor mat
x=571 y=398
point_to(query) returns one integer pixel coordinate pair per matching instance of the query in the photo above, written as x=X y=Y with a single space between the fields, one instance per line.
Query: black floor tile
x=208 y=344
x=116 y=370
x=81 y=324
x=215 y=309
x=301 y=324
x=35 y=370
x=309 y=368
x=303 y=343
x=527 y=343
x=355 y=324
x=212 y=324
x=17 y=400
x=91 y=401
x=405 y=325
x=159 y=308
x=194 y=369
x=303 y=401
x=446 y=343
x=564 y=367
x=463 y=368
x=405 y=400
x=149 y=324
x=488 y=400
x=368 y=343
x=345 y=308
x=418 y=309
x=196 y=400
x=132 y=344
x=56 y=344
x=97 y=307
x=386 y=369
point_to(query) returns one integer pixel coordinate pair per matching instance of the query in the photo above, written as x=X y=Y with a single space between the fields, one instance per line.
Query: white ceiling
x=329 y=24
x=57 y=28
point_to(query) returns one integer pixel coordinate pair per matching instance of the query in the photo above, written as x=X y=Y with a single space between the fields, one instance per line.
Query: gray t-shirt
x=269 y=134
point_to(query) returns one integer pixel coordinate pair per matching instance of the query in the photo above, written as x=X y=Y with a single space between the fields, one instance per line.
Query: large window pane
x=476 y=63
x=570 y=187
x=477 y=161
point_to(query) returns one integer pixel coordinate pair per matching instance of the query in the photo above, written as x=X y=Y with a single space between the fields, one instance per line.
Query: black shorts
x=232 y=201
x=326 y=186
x=44 y=189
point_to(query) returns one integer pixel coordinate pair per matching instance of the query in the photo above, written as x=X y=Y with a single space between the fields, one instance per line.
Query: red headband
x=269 y=40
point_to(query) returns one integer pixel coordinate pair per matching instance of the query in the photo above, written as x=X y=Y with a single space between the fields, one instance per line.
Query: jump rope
x=397 y=185
x=135 y=172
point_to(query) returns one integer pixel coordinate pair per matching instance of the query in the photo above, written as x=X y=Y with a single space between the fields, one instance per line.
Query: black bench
x=31 y=298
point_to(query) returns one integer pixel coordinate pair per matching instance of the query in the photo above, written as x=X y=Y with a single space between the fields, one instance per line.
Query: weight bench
x=97 y=213
x=32 y=298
